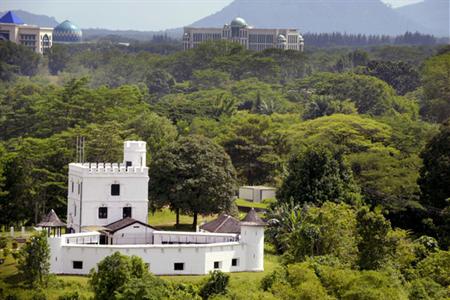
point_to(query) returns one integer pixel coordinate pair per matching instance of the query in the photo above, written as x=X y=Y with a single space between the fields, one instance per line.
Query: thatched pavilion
x=52 y=224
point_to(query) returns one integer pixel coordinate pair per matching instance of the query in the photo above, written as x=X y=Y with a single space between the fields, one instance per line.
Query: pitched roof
x=252 y=219
x=223 y=224
x=115 y=226
x=51 y=220
x=11 y=18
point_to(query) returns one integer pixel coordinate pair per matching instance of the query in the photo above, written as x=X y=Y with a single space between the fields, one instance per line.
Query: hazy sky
x=130 y=14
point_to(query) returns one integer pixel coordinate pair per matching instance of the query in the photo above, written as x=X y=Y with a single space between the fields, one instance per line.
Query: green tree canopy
x=114 y=272
x=34 y=260
x=317 y=175
x=435 y=173
x=193 y=175
x=370 y=95
x=436 y=86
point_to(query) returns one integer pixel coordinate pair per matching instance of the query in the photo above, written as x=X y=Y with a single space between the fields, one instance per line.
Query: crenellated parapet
x=116 y=169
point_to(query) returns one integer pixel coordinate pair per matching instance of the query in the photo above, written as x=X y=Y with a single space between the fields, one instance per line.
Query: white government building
x=108 y=211
x=257 y=39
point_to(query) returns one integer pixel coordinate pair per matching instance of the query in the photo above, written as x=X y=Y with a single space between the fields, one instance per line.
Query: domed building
x=67 y=32
x=238 y=22
x=239 y=31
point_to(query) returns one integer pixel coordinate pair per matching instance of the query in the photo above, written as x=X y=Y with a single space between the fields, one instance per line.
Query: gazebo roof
x=252 y=219
x=223 y=224
x=51 y=220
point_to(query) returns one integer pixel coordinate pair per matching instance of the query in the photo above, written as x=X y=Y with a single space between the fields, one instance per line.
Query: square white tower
x=102 y=193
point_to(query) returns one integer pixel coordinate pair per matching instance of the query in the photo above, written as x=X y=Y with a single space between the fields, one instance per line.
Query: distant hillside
x=29 y=18
x=351 y=16
x=432 y=14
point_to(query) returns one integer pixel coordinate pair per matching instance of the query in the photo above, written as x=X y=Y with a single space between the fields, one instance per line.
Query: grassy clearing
x=245 y=203
x=165 y=219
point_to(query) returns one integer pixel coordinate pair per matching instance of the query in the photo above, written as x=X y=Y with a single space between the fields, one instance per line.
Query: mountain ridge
x=433 y=14
x=349 y=16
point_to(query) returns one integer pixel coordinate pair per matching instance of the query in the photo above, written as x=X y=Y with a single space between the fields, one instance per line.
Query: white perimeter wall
x=197 y=259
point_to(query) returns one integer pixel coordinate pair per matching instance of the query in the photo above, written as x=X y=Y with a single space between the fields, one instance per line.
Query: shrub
x=14 y=245
x=70 y=296
x=277 y=276
x=216 y=285
x=6 y=252
x=15 y=255
x=3 y=242
x=426 y=288
x=34 y=260
x=39 y=295
x=119 y=273
x=437 y=267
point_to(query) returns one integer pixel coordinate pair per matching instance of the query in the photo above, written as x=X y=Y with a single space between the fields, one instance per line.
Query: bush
x=277 y=276
x=14 y=245
x=70 y=296
x=6 y=252
x=148 y=287
x=426 y=288
x=216 y=285
x=38 y=295
x=15 y=255
x=437 y=267
x=3 y=242
x=119 y=273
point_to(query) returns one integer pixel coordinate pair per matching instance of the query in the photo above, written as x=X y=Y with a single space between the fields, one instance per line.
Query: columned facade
x=257 y=39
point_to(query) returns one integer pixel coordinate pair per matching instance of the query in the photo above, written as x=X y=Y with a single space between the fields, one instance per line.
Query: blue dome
x=67 y=32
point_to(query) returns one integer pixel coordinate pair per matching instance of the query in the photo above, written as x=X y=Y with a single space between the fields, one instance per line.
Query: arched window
x=45 y=43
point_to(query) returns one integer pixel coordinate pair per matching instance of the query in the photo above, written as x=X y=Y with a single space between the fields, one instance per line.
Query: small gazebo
x=51 y=222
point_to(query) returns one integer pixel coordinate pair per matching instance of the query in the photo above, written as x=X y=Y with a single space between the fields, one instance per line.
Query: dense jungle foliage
x=357 y=141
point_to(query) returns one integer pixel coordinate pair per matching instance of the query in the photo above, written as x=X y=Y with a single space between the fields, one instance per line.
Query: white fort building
x=257 y=39
x=107 y=211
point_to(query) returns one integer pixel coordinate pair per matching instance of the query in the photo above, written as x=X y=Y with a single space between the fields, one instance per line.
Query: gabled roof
x=11 y=18
x=118 y=225
x=252 y=219
x=51 y=220
x=223 y=224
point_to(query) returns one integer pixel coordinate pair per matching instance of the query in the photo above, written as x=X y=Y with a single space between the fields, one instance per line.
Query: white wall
x=246 y=193
x=133 y=235
x=268 y=194
x=256 y=193
x=197 y=259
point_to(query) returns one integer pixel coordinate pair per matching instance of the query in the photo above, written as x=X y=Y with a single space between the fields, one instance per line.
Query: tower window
x=115 y=189
x=126 y=212
x=102 y=212
x=178 y=266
